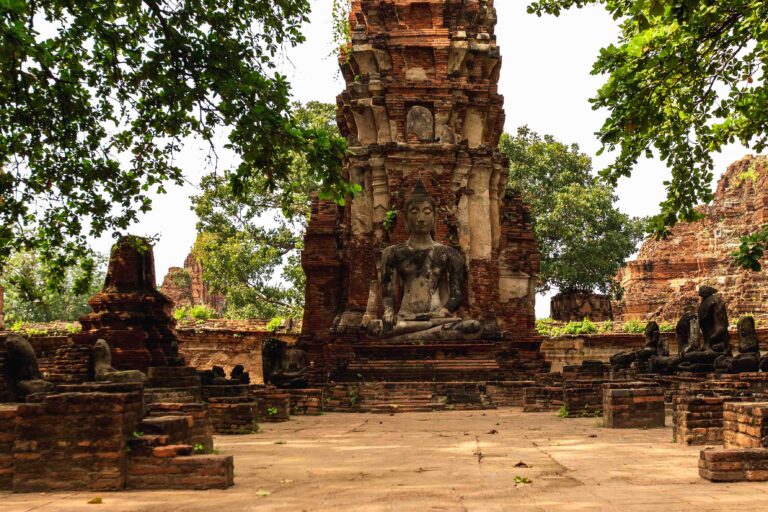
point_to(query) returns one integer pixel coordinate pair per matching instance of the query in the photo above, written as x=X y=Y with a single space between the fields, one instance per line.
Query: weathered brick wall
x=200 y=427
x=227 y=346
x=583 y=397
x=664 y=278
x=573 y=350
x=545 y=398
x=7 y=440
x=306 y=402
x=233 y=415
x=74 y=441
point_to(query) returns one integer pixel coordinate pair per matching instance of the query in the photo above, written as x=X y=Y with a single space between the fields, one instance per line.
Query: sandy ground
x=442 y=461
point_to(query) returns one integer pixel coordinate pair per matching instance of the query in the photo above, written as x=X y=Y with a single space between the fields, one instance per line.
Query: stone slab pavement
x=441 y=461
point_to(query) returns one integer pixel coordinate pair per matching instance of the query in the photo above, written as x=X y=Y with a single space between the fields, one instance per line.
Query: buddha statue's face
x=420 y=217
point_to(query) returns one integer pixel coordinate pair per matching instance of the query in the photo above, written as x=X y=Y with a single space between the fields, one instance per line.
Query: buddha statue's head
x=420 y=211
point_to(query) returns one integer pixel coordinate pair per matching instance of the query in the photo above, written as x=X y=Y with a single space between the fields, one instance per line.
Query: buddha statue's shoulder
x=396 y=251
x=446 y=251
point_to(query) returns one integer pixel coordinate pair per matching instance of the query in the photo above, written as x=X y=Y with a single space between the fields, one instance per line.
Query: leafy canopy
x=246 y=239
x=97 y=96
x=686 y=78
x=29 y=298
x=583 y=238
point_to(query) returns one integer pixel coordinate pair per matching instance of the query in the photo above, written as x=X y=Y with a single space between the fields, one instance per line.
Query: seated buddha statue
x=429 y=275
x=284 y=365
x=667 y=365
x=748 y=358
x=715 y=340
x=639 y=358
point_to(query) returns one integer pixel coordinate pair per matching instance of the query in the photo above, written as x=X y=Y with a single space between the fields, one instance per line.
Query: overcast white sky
x=545 y=79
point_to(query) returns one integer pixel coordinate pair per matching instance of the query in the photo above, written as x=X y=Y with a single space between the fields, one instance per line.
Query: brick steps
x=465 y=369
x=409 y=396
x=165 y=458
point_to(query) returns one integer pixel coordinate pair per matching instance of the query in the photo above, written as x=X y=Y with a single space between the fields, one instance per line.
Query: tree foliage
x=246 y=238
x=30 y=298
x=686 y=78
x=583 y=238
x=97 y=97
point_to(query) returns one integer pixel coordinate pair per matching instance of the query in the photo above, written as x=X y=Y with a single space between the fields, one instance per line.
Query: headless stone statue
x=668 y=365
x=101 y=358
x=239 y=374
x=715 y=340
x=430 y=276
x=653 y=347
x=23 y=374
x=748 y=358
x=284 y=365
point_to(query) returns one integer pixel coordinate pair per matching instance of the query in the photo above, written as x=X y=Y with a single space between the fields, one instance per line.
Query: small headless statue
x=284 y=365
x=23 y=373
x=101 y=358
x=667 y=365
x=653 y=347
x=431 y=277
x=715 y=340
x=748 y=358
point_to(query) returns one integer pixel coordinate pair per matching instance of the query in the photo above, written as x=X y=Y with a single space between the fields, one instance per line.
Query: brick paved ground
x=446 y=461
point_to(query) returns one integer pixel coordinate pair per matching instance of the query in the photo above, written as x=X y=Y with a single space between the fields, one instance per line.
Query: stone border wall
x=574 y=349
x=204 y=347
x=213 y=342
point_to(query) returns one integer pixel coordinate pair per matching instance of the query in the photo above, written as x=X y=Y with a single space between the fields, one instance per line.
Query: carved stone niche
x=421 y=123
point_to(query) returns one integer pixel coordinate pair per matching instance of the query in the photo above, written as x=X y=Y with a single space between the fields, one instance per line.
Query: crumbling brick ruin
x=129 y=313
x=421 y=105
x=662 y=281
x=185 y=286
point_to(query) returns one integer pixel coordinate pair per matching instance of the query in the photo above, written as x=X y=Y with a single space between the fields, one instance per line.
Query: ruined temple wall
x=203 y=348
x=573 y=350
x=663 y=280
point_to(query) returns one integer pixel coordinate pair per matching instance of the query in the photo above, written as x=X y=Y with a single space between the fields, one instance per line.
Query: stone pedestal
x=633 y=407
x=583 y=397
x=734 y=465
x=745 y=425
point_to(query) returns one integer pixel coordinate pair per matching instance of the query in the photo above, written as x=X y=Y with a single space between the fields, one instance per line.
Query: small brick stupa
x=422 y=109
x=129 y=313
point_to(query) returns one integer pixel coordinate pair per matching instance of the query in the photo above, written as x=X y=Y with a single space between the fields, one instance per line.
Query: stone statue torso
x=430 y=279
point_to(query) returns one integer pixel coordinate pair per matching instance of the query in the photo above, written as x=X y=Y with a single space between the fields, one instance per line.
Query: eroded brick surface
x=664 y=278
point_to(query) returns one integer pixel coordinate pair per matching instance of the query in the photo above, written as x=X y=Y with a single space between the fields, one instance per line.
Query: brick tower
x=422 y=104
